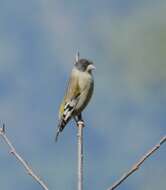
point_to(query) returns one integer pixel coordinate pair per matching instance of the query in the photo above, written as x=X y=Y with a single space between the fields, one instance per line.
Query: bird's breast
x=85 y=81
x=86 y=89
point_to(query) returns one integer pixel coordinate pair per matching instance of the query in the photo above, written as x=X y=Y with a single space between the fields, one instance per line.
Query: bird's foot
x=80 y=123
x=78 y=119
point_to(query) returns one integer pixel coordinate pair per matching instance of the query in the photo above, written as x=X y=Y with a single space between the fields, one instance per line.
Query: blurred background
x=126 y=40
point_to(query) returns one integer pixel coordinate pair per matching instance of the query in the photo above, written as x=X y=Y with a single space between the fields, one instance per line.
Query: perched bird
x=78 y=93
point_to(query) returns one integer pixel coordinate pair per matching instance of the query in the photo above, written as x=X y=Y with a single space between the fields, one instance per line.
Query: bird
x=78 y=93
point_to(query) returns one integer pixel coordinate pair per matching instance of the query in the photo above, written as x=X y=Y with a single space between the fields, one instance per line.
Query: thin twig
x=21 y=160
x=77 y=57
x=80 y=126
x=138 y=164
x=80 y=154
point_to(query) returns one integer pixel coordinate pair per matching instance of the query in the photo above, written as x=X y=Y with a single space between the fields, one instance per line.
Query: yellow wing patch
x=61 y=109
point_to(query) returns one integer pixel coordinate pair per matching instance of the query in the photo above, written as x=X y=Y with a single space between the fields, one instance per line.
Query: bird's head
x=84 y=65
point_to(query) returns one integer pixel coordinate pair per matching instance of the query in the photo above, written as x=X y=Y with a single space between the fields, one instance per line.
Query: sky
x=126 y=40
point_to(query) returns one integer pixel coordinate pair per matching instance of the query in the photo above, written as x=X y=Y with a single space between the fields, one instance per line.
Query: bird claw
x=80 y=122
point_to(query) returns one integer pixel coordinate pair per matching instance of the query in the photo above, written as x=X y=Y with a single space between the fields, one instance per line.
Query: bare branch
x=80 y=154
x=138 y=164
x=21 y=160
x=77 y=57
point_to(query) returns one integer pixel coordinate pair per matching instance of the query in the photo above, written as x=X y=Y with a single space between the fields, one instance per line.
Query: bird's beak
x=91 y=67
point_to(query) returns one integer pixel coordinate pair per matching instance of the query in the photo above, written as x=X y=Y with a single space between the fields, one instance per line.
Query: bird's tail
x=60 y=128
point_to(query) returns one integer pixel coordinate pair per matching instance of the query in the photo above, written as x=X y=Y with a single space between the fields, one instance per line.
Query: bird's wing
x=73 y=89
x=71 y=97
x=69 y=103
